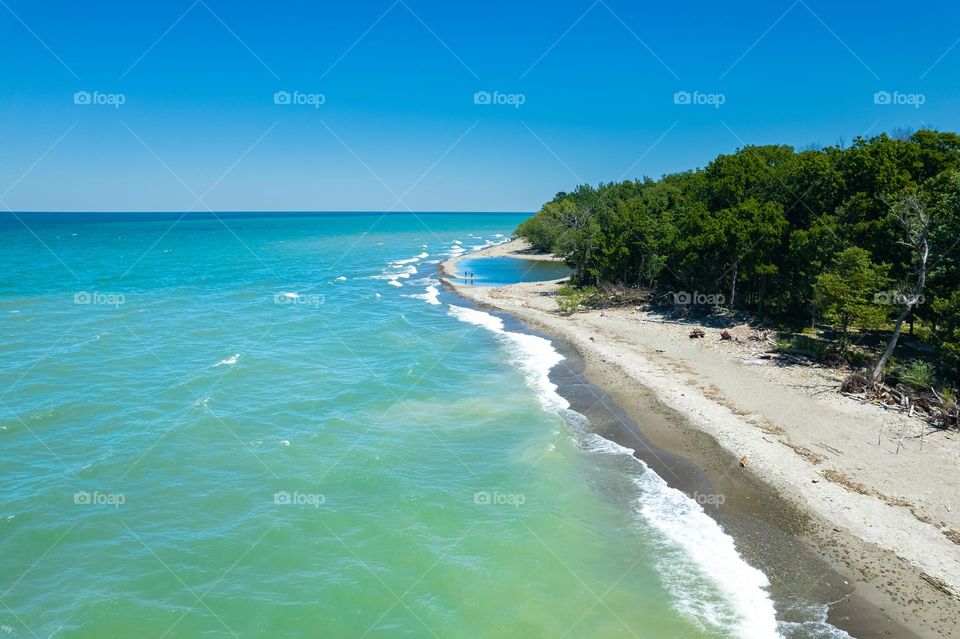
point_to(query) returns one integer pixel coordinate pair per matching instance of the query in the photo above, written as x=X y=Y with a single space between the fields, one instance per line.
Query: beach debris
x=697 y=333
x=744 y=461
x=910 y=400
x=725 y=335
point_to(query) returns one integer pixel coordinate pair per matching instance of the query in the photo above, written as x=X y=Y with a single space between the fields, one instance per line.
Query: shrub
x=916 y=373
x=570 y=298
x=815 y=349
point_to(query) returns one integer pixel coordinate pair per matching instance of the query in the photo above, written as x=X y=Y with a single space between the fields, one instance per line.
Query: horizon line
x=254 y=211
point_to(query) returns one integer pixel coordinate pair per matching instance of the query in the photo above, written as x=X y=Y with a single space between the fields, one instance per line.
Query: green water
x=274 y=427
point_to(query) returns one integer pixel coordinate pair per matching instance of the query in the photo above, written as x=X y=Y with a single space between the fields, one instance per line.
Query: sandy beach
x=849 y=481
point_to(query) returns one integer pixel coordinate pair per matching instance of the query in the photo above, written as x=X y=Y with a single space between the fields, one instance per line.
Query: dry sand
x=878 y=508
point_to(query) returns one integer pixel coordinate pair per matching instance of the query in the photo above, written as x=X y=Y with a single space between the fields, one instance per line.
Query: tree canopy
x=778 y=232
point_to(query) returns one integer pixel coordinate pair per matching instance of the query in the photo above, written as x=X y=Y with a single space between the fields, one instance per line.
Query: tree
x=915 y=218
x=574 y=239
x=846 y=292
x=947 y=312
x=789 y=234
x=732 y=244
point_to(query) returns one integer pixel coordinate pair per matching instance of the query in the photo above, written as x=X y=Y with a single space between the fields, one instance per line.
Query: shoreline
x=851 y=554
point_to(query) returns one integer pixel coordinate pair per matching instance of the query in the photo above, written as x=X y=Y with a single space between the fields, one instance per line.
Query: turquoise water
x=497 y=271
x=268 y=427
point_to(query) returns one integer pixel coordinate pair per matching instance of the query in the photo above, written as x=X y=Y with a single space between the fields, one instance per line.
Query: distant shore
x=788 y=452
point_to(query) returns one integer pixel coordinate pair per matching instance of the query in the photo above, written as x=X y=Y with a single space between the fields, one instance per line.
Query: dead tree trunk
x=915 y=219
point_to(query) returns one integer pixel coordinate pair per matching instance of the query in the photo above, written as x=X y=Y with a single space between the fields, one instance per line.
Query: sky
x=429 y=105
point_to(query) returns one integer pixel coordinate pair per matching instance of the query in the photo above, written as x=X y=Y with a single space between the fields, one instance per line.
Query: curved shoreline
x=873 y=590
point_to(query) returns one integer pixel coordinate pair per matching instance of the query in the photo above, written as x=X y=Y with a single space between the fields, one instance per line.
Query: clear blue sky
x=399 y=127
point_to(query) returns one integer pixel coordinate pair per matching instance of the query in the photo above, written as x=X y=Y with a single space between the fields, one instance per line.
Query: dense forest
x=856 y=243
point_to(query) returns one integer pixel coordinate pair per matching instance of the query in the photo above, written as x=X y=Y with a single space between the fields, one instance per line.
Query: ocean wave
x=430 y=297
x=409 y=260
x=746 y=607
x=230 y=361
x=818 y=626
x=533 y=355
x=397 y=270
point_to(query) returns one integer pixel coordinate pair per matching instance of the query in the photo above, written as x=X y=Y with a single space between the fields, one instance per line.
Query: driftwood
x=931 y=405
x=696 y=333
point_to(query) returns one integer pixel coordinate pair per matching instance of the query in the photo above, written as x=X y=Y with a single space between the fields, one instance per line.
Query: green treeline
x=859 y=237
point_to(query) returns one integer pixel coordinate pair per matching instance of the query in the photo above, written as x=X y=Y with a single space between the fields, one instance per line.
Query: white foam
x=430 y=297
x=399 y=269
x=747 y=605
x=289 y=295
x=230 y=361
x=744 y=605
x=342 y=278
x=533 y=355
x=410 y=260
x=818 y=626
